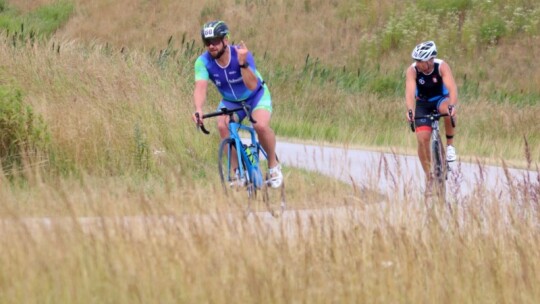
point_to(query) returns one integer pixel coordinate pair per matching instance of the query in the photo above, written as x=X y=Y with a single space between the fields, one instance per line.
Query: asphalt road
x=390 y=174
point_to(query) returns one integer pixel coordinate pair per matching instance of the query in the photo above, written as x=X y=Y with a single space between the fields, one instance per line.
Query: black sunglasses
x=212 y=41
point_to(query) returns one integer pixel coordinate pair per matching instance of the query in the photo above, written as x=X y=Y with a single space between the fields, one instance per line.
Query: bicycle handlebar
x=432 y=116
x=224 y=111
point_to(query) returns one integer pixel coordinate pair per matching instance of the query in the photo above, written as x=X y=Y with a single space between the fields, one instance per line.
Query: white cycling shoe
x=451 y=153
x=276 y=177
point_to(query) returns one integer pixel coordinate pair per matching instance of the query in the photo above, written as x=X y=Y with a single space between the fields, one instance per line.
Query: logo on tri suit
x=434 y=79
x=421 y=81
x=237 y=80
x=218 y=83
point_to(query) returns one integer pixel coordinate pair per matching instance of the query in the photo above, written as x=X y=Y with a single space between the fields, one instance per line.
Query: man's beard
x=221 y=52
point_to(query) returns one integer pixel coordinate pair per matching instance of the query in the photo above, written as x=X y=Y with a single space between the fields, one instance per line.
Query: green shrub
x=43 y=21
x=492 y=30
x=3 y=5
x=407 y=27
x=24 y=136
x=47 y=19
x=445 y=5
x=386 y=85
x=465 y=23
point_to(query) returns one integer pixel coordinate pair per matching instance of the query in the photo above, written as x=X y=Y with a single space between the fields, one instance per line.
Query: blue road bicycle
x=439 y=165
x=248 y=173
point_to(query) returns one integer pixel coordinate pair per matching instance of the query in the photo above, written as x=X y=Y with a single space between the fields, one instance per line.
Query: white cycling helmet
x=425 y=51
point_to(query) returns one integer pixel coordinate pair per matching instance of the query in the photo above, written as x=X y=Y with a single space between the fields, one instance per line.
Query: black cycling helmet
x=214 y=29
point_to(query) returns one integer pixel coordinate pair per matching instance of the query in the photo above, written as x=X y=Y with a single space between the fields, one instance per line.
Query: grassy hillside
x=95 y=106
x=340 y=64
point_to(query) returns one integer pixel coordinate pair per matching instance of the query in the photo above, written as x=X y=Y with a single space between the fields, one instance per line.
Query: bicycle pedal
x=235 y=184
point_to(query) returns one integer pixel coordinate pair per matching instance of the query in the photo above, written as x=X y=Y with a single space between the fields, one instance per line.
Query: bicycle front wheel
x=227 y=173
x=438 y=167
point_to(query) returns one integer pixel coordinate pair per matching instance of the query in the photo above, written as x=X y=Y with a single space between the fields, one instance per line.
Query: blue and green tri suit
x=229 y=82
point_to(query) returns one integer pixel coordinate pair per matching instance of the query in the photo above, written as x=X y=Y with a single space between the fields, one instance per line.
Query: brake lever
x=450 y=111
x=248 y=113
x=200 y=124
x=411 y=122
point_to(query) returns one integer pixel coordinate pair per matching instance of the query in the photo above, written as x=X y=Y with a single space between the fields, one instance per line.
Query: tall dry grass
x=481 y=250
x=309 y=79
x=122 y=225
x=102 y=118
x=329 y=30
x=341 y=33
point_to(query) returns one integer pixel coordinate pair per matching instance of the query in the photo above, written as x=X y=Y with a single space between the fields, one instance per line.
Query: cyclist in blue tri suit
x=232 y=69
x=430 y=86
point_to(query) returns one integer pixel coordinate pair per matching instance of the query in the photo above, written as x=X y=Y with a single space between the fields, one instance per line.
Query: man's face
x=425 y=66
x=214 y=45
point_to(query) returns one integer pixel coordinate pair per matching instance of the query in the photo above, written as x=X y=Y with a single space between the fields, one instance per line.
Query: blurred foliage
x=24 y=136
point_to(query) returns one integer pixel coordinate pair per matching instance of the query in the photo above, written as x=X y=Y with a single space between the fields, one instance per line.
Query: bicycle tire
x=438 y=168
x=223 y=162
x=274 y=198
x=226 y=173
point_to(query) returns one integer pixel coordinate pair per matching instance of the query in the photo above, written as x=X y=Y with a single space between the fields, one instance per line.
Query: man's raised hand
x=242 y=52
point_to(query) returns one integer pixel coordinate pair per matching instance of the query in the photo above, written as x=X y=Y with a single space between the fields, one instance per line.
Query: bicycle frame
x=247 y=168
x=251 y=172
x=439 y=166
x=241 y=153
x=438 y=161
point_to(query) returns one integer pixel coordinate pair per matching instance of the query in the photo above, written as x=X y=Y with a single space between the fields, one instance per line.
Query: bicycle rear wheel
x=274 y=198
x=438 y=167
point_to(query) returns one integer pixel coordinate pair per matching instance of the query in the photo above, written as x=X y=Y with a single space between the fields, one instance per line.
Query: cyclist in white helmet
x=430 y=86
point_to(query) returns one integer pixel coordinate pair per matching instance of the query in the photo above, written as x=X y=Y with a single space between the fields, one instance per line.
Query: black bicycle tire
x=439 y=167
x=224 y=143
x=266 y=193
x=223 y=147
